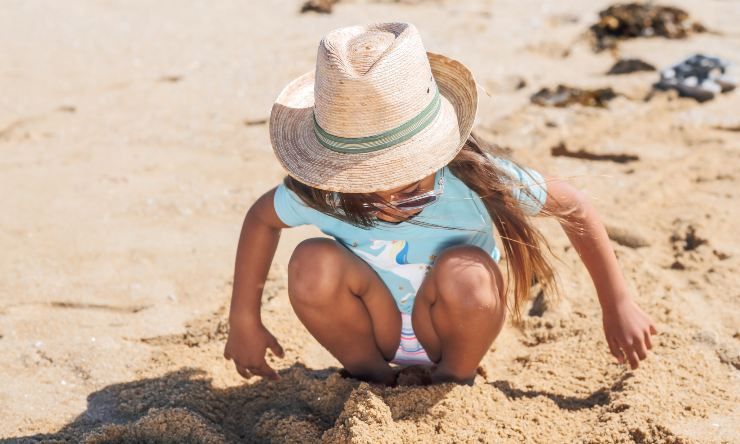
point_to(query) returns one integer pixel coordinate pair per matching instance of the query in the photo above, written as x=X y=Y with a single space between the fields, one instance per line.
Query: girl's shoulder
x=527 y=185
x=290 y=208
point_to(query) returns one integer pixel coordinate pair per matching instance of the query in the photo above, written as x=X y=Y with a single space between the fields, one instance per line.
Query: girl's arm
x=627 y=328
x=248 y=338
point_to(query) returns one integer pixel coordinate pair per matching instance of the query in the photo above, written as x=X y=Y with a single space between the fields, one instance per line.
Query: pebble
x=627 y=237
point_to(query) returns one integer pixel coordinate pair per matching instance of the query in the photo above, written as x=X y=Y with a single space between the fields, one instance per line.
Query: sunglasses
x=415 y=201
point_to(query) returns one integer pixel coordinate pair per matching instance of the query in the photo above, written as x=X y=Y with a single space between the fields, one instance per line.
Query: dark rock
x=565 y=95
x=320 y=6
x=699 y=77
x=627 y=66
x=632 y=20
x=560 y=150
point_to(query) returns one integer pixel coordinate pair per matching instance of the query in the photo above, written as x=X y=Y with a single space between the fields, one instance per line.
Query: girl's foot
x=382 y=377
x=440 y=375
x=414 y=375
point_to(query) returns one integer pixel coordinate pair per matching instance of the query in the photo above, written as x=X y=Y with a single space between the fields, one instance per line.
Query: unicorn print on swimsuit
x=393 y=259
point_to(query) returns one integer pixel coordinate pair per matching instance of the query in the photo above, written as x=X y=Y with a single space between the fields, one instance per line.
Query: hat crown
x=370 y=79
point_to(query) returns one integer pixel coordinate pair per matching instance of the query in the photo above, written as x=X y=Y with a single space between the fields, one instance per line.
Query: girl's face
x=404 y=192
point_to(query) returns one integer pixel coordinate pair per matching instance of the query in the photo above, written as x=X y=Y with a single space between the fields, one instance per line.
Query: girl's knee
x=466 y=278
x=315 y=270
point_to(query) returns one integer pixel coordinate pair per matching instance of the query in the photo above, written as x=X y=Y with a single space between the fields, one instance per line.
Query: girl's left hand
x=628 y=330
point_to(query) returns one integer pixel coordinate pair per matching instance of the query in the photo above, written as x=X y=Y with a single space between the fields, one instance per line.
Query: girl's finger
x=614 y=349
x=653 y=330
x=265 y=371
x=639 y=348
x=242 y=371
x=648 y=341
x=631 y=357
x=276 y=349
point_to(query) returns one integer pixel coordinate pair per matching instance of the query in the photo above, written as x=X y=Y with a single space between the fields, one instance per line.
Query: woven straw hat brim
x=304 y=158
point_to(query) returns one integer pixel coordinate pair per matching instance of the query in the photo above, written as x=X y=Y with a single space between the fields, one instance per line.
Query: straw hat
x=378 y=112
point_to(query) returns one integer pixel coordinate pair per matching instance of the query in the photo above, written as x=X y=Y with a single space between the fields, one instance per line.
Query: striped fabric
x=385 y=139
x=409 y=350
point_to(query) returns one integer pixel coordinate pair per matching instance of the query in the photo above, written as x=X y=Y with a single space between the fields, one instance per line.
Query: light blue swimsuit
x=402 y=253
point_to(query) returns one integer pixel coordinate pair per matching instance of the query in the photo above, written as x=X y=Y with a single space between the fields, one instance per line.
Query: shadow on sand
x=184 y=406
x=602 y=396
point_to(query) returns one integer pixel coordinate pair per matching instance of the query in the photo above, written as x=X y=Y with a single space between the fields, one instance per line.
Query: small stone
x=629 y=237
x=563 y=96
x=320 y=6
x=628 y=66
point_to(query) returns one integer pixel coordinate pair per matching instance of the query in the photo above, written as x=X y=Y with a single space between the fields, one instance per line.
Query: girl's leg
x=459 y=310
x=346 y=306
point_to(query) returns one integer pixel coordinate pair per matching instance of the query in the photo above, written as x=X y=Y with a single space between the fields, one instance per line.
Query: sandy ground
x=132 y=146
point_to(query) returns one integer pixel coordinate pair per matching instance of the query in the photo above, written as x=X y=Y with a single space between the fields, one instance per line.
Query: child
x=378 y=146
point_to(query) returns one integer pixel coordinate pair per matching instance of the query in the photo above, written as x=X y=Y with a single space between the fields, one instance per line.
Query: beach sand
x=134 y=138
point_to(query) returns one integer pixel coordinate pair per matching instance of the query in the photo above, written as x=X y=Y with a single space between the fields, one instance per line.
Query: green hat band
x=385 y=139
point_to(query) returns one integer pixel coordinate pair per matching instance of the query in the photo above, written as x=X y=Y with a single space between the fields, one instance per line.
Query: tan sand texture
x=133 y=138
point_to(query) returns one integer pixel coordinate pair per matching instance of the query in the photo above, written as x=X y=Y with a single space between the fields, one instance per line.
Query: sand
x=134 y=139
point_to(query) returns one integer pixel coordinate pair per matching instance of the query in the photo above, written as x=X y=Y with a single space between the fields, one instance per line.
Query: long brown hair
x=523 y=244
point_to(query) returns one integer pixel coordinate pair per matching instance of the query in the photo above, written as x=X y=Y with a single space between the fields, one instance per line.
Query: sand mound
x=177 y=425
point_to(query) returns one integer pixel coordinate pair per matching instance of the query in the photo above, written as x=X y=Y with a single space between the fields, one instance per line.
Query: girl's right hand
x=247 y=345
